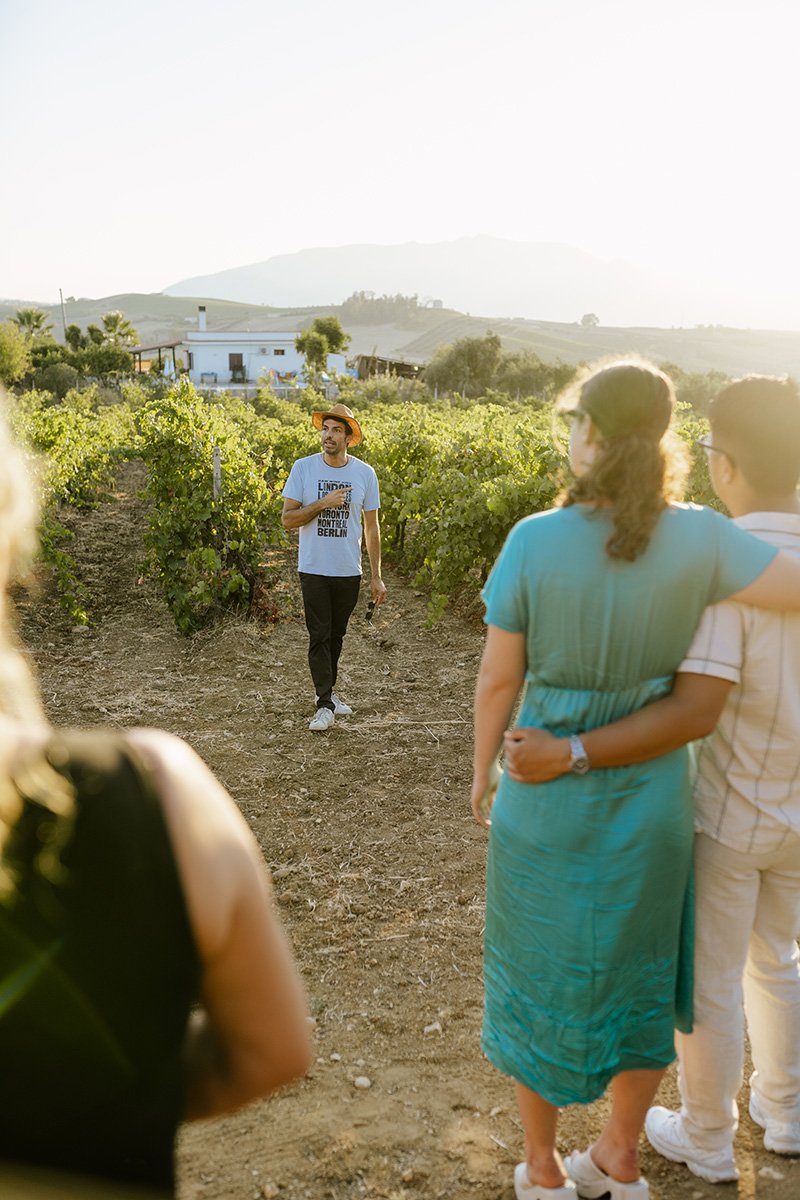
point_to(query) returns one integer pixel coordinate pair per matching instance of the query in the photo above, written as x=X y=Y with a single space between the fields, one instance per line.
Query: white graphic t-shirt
x=330 y=544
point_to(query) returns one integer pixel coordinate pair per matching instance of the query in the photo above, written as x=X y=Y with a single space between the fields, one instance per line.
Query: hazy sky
x=154 y=140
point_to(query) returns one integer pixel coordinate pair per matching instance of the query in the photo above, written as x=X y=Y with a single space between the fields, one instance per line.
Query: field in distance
x=161 y=318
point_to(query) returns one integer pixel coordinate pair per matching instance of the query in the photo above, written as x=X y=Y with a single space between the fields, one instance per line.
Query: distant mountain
x=479 y=274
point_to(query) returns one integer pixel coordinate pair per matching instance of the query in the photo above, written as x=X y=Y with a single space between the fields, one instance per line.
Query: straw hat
x=339 y=412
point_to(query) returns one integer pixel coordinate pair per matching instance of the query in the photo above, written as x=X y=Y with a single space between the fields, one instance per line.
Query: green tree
x=468 y=365
x=331 y=330
x=45 y=351
x=117 y=330
x=367 y=308
x=95 y=335
x=314 y=347
x=58 y=378
x=525 y=374
x=589 y=320
x=15 y=355
x=102 y=361
x=695 y=387
x=33 y=323
x=74 y=338
x=323 y=336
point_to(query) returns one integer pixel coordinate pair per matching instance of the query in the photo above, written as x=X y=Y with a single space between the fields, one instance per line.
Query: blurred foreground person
x=588 y=945
x=130 y=890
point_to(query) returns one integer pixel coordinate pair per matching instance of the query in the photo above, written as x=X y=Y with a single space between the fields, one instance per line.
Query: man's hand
x=336 y=498
x=378 y=590
x=295 y=514
x=534 y=755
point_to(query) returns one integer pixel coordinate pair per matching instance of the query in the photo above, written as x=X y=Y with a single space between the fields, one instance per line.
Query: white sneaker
x=666 y=1134
x=782 y=1137
x=525 y=1190
x=323 y=719
x=591 y=1182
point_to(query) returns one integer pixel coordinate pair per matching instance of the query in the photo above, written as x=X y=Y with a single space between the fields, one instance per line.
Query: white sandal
x=592 y=1183
x=525 y=1190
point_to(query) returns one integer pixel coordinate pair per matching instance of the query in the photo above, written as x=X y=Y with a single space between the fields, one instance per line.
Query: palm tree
x=117 y=330
x=74 y=338
x=33 y=323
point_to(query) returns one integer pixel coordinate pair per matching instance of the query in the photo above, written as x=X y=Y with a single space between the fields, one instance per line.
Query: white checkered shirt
x=747 y=789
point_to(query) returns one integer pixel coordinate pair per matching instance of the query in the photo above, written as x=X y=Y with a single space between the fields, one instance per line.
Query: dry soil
x=378 y=871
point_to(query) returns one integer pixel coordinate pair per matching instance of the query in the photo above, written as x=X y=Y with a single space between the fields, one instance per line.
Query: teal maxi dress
x=588 y=943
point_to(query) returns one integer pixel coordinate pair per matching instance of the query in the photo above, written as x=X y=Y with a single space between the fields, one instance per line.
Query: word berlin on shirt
x=332 y=522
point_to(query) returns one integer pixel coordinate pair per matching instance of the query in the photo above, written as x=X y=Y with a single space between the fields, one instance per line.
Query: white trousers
x=746 y=961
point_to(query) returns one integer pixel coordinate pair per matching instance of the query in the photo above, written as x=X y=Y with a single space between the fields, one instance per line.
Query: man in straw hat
x=325 y=497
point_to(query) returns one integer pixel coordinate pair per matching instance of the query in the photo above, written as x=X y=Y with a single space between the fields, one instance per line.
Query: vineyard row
x=454 y=479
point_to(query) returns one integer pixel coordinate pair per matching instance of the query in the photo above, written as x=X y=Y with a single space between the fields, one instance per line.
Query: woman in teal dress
x=592 y=606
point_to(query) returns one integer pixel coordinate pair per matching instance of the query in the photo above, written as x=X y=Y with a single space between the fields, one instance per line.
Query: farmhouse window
x=235 y=362
x=278 y=350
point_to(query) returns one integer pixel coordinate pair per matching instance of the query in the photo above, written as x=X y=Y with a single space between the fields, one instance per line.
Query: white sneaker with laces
x=782 y=1137
x=666 y=1134
x=323 y=719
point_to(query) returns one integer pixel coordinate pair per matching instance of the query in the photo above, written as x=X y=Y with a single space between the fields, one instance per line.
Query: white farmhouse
x=228 y=357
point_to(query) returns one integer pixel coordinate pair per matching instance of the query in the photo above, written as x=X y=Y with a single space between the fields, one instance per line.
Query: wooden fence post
x=217 y=461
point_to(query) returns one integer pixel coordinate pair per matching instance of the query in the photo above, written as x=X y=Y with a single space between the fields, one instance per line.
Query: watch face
x=579 y=762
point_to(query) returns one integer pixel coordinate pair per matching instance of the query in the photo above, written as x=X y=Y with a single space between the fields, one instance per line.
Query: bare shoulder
x=189 y=786
x=218 y=858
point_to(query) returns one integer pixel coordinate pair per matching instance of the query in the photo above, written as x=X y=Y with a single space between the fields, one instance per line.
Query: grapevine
x=207 y=550
x=77 y=445
x=455 y=476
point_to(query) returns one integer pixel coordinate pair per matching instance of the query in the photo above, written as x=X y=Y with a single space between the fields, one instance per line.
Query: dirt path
x=378 y=872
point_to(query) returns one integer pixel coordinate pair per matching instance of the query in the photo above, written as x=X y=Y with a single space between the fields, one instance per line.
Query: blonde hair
x=19 y=518
x=640 y=465
x=19 y=694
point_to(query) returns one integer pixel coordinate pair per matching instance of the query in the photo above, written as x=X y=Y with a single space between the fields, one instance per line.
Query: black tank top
x=98 y=966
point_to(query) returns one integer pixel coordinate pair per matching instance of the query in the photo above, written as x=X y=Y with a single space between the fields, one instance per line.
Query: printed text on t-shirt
x=332 y=522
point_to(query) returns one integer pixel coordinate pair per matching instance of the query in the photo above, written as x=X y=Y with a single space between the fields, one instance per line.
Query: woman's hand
x=484 y=790
x=499 y=680
x=482 y=800
x=534 y=755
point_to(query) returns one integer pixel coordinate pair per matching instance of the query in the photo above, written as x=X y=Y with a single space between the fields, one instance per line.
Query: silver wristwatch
x=579 y=762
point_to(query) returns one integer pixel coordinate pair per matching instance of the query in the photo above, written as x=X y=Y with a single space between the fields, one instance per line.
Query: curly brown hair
x=640 y=465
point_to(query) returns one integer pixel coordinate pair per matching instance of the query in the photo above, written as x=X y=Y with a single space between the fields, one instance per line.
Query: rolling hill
x=159 y=318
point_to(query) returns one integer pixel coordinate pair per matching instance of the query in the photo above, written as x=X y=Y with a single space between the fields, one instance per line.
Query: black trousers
x=328 y=601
